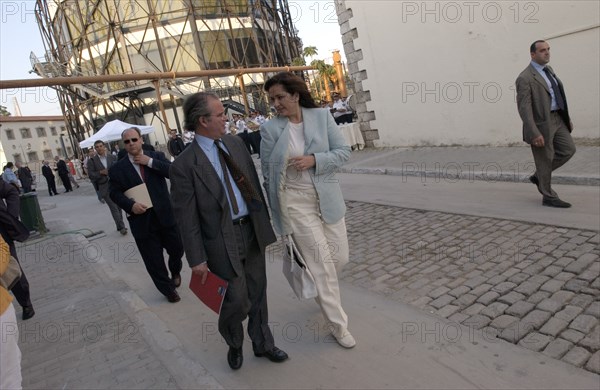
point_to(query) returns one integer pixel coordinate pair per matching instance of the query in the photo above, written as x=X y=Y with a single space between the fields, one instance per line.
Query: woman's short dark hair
x=292 y=84
x=195 y=106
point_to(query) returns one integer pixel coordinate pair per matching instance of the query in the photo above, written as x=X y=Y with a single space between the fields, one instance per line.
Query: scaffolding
x=119 y=37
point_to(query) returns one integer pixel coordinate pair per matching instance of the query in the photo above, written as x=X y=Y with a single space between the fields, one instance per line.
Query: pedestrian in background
x=25 y=177
x=63 y=173
x=49 y=176
x=301 y=150
x=8 y=175
x=98 y=167
x=547 y=127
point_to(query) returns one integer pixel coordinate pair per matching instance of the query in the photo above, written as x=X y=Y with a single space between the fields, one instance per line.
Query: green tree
x=4 y=111
x=310 y=51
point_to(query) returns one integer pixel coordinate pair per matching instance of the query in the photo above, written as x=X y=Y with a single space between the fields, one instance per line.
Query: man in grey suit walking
x=224 y=224
x=97 y=168
x=547 y=127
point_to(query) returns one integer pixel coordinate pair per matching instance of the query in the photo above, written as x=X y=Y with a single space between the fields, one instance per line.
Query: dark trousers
x=247 y=296
x=151 y=249
x=115 y=210
x=559 y=148
x=21 y=289
x=51 y=186
x=346 y=118
x=255 y=139
x=66 y=181
x=246 y=138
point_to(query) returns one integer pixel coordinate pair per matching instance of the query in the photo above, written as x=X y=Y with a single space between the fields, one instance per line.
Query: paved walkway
x=514 y=282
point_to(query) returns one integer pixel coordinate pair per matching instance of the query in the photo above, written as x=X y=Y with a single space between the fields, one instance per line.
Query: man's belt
x=241 y=220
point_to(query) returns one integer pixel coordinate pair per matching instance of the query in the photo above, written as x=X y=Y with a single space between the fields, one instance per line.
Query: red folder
x=212 y=293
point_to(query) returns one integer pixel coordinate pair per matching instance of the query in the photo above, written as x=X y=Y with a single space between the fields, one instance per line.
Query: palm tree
x=4 y=111
x=310 y=51
x=327 y=73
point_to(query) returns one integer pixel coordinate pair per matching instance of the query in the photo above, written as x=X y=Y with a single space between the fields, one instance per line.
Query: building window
x=47 y=154
x=59 y=152
x=17 y=158
x=41 y=132
x=25 y=133
x=53 y=131
x=10 y=134
x=32 y=156
x=69 y=151
x=63 y=129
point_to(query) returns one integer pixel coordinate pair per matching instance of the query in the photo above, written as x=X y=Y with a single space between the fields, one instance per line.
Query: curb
x=472 y=176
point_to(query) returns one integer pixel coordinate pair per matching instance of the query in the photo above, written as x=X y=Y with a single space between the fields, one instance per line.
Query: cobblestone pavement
x=537 y=286
x=81 y=336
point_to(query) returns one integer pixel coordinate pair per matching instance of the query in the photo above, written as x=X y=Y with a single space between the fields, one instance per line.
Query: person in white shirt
x=340 y=109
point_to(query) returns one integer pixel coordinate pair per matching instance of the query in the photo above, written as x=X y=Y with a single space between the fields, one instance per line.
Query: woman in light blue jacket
x=300 y=151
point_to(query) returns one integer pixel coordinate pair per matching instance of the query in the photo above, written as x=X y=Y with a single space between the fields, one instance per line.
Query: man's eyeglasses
x=127 y=141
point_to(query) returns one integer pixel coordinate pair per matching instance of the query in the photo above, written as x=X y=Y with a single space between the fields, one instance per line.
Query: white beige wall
x=442 y=73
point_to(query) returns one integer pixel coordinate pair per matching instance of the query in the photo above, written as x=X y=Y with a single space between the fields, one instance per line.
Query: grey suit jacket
x=534 y=102
x=94 y=166
x=202 y=211
x=324 y=140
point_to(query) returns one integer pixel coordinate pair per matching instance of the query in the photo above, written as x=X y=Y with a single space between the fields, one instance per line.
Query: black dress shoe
x=235 y=358
x=556 y=203
x=173 y=297
x=177 y=280
x=534 y=180
x=275 y=355
x=28 y=312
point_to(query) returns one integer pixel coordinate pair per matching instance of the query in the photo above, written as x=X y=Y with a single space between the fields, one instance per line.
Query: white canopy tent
x=111 y=131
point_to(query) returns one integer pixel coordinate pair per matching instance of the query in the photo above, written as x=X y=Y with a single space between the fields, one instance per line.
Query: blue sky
x=19 y=36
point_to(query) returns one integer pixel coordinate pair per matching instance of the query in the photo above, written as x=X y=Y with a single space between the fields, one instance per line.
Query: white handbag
x=296 y=271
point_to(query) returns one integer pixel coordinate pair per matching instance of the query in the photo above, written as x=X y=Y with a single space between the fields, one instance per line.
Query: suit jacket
x=24 y=174
x=534 y=102
x=47 y=172
x=324 y=140
x=94 y=166
x=61 y=167
x=123 y=176
x=202 y=209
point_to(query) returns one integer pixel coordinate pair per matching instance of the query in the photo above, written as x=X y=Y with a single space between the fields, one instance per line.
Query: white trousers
x=10 y=354
x=325 y=250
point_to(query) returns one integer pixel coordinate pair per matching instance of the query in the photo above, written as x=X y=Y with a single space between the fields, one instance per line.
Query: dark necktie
x=560 y=102
x=250 y=195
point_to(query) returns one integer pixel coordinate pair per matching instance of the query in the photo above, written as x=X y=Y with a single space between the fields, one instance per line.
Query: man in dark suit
x=547 y=127
x=175 y=144
x=225 y=224
x=24 y=175
x=49 y=176
x=63 y=173
x=153 y=227
x=97 y=168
